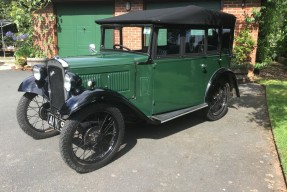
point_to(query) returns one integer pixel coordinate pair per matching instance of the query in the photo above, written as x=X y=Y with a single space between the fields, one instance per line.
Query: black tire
x=31 y=115
x=218 y=101
x=91 y=137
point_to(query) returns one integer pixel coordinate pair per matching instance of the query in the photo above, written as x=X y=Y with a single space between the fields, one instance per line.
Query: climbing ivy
x=44 y=22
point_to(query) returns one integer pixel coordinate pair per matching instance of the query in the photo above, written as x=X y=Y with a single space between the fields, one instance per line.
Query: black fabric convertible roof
x=189 y=15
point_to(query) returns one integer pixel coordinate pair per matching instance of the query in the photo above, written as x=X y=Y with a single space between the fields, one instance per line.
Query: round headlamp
x=68 y=82
x=39 y=72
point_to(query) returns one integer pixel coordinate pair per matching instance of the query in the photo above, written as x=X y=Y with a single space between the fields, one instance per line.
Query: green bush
x=272 y=41
x=36 y=52
x=21 y=55
x=244 y=45
x=244 y=42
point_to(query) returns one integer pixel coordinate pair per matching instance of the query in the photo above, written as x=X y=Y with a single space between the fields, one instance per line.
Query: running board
x=164 y=117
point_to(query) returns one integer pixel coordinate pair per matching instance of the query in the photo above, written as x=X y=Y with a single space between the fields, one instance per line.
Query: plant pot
x=19 y=67
x=19 y=60
x=241 y=72
x=34 y=61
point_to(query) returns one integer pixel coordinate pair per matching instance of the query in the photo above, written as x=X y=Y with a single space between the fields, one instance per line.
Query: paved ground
x=233 y=154
x=4 y=66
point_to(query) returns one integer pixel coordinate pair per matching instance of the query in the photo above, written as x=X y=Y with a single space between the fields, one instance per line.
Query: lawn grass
x=277 y=105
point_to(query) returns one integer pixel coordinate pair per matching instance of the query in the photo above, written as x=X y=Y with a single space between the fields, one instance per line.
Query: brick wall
x=45 y=33
x=132 y=36
x=235 y=7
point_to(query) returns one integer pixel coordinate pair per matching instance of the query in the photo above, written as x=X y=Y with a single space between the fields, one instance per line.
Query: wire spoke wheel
x=95 y=138
x=32 y=115
x=218 y=104
x=92 y=137
x=37 y=112
x=219 y=100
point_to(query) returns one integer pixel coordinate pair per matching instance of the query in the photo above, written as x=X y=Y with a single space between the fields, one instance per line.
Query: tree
x=22 y=12
x=5 y=9
x=273 y=31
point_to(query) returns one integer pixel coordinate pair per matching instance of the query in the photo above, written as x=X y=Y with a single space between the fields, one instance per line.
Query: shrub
x=244 y=45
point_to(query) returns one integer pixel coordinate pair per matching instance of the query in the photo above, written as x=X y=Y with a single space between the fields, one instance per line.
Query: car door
x=194 y=56
x=201 y=52
x=171 y=90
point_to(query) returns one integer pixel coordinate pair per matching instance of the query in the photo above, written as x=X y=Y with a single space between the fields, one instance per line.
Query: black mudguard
x=226 y=74
x=31 y=85
x=78 y=102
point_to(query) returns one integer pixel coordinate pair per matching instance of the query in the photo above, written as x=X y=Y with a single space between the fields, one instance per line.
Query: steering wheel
x=118 y=46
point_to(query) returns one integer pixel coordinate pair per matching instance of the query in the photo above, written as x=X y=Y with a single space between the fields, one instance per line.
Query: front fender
x=31 y=85
x=222 y=73
x=76 y=103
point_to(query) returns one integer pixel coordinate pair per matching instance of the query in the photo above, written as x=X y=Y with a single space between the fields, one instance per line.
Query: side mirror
x=92 y=49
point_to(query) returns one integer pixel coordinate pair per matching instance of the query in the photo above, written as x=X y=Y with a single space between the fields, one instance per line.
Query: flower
x=9 y=34
x=24 y=36
x=14 y=38
x=20 y=37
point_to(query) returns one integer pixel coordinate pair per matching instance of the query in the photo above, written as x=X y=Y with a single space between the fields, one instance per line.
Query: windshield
x=127 y=38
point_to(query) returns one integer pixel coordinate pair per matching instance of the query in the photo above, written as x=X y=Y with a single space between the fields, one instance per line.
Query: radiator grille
x=56 y=85
x=119 y=81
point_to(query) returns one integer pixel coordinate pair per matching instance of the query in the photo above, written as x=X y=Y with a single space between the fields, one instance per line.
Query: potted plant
x=36 y=56
x=21 y=55
x=22 y=47
x=244 y=45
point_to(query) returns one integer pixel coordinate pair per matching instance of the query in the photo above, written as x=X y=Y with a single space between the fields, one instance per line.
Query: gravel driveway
x=236 y=153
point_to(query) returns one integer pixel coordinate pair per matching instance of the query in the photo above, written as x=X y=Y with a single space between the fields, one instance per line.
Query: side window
x=109 y=37
x=194 y=41
x=168 y=42
x=213 y=40
x=226 y=41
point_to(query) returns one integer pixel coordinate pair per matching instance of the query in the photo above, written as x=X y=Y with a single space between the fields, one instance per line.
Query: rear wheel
x=92 y=137
x=32 y=113
x=218 y=101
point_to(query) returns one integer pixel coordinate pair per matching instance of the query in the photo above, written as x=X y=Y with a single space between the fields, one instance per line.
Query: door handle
x=203 y=66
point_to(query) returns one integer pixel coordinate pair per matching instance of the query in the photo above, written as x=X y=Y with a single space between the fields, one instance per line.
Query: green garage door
x=76 y=27
x=210 y=4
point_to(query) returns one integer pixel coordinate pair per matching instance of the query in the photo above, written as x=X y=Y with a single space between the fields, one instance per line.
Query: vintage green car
x=153 y=66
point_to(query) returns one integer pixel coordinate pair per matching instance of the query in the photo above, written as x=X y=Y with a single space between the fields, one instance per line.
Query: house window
x=194 y=41
x=168 y=42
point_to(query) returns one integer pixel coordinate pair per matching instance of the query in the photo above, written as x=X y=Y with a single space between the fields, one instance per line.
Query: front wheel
x=218 y=101
x=91 y=138
x=32 y=113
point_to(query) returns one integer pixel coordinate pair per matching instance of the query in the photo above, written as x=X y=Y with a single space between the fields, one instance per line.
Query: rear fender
x=31 y=85
x=76 y=103
x=225 y=74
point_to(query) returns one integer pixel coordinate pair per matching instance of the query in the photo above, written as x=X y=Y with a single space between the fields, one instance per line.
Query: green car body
x=166 y=84
x=152 y=66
